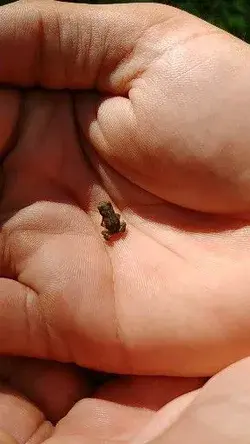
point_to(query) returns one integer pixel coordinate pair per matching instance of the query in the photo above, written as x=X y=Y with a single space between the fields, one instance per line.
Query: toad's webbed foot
x=106 y=234
x=122 y=227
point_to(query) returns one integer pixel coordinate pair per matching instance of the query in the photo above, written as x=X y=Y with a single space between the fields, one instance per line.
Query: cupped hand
x=132 y=410
x=148 y=107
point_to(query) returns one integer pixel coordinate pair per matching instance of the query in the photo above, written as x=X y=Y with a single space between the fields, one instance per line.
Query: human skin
x=152 y=114
x=133 y=410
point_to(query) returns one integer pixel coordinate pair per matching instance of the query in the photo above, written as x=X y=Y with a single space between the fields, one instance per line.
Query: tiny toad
x=110 y=220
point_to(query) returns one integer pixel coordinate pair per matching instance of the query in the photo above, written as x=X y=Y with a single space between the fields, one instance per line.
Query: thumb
x=219 y=414
x=66 y=45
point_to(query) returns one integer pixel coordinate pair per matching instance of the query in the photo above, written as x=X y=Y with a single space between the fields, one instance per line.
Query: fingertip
x=5 y=438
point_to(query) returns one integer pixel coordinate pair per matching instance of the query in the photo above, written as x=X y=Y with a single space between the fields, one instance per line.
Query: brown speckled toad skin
x=110 y=220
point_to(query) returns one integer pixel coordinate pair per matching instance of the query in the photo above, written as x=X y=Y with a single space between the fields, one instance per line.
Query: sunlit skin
x=147 y=107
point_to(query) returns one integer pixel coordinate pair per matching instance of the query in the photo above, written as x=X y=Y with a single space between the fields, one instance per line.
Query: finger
x=121 y=408
x=10 y=102
x=200 y=162
x=52 y=386
x=147 y=392
x=164 y=418
x=20 y=419
x=5 y=438
x=63 y=45
x=219 y=414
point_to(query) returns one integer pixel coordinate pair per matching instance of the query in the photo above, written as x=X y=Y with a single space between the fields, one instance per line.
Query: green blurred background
x=232 y=15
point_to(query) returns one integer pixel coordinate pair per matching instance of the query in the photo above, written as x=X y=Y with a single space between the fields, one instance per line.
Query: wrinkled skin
x=152 y=114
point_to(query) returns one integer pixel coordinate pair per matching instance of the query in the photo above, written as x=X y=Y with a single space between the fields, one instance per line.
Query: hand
x=129 y=410
x=155 y=118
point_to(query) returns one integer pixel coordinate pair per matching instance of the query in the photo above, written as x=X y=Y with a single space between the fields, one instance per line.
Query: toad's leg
x=122 y=227
x=106 y=234
x=102 y=222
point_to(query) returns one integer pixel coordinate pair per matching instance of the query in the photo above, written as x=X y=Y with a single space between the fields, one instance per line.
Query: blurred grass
x=231 y=15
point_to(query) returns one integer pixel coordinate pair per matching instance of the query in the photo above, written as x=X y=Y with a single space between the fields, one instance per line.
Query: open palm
x=152 y=123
